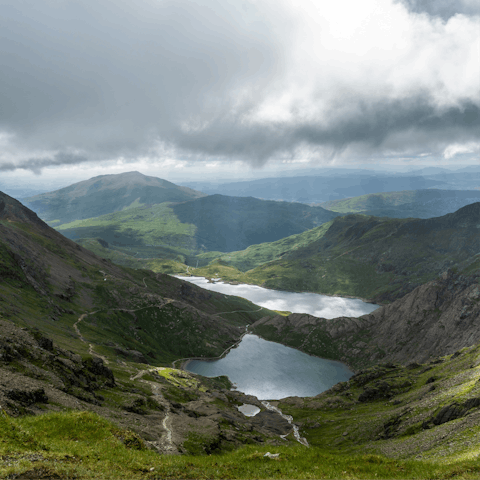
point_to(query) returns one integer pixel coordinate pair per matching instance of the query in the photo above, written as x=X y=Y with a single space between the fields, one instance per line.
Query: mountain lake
x=269 y=370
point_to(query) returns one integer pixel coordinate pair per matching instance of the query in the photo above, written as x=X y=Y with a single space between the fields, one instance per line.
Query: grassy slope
x=183 y=233
x=142 y=232
x=229 y=224
x=373 y=200
x=85 y=446
x=394 y=410
x=37 y=301
x=257 y=255
x=301 y=267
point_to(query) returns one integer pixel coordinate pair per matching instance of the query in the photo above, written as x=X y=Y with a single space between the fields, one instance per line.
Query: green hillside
x=257 y=255
x=59 y=281
x=228 y=224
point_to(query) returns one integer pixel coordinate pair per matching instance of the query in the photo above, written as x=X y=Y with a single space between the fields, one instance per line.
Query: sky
x=235 y=88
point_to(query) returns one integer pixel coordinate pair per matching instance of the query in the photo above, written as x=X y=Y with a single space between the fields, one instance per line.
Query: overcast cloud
x=255 y=80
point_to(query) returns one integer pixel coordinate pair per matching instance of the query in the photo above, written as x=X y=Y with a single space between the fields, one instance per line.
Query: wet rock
x=455 y=410
x=27 y=397
x=383 y=390
x=134 y=355
x=271 y=422
x=448 y=413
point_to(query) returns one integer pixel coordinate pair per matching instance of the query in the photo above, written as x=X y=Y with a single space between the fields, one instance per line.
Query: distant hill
x=320 y=188
x=225 y=223
x=407 y=203
x=364 y=256
x=105 y=194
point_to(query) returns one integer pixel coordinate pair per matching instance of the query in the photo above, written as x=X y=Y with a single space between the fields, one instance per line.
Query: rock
x=455 y=410
x=272 y=422
x=383 y=390
x=272 y=455
x=448 y=413
x=27 y=397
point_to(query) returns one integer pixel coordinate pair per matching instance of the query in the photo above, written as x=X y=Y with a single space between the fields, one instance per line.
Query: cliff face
x=435 y=319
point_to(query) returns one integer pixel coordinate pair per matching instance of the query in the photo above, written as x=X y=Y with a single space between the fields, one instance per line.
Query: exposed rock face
x=435 y=319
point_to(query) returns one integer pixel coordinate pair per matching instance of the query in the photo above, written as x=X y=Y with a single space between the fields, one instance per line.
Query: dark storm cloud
x=444 y=9
x=110 y=76
x=368 y=123
x=109 y=79
x=37 y=164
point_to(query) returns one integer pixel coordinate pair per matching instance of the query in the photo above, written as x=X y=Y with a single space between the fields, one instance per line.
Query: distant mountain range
x=320 y=188
x=405 y=204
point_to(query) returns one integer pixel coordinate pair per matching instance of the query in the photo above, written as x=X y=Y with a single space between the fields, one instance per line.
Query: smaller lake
x=271 y=371
x=315 y=304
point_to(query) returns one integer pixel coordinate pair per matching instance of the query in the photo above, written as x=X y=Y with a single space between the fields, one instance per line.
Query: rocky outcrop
x=437 y=318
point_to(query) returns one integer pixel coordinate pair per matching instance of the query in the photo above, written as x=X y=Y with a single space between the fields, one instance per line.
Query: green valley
x=188 y=232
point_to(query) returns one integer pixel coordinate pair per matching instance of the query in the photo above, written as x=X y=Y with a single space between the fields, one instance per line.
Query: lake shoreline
x=236 y=282
x=185 y=362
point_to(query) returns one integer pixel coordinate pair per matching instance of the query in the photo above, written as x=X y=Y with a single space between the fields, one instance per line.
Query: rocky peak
x=13 y=210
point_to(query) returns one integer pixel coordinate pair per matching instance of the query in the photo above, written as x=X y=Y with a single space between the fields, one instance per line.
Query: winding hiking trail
x=90 y=345
x=166 y=422
x=169 y=446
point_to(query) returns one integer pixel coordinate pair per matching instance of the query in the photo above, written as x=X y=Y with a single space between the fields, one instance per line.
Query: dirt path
x=90 y=345
x=75 y=326
x=166 y=422
x=240 y=311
